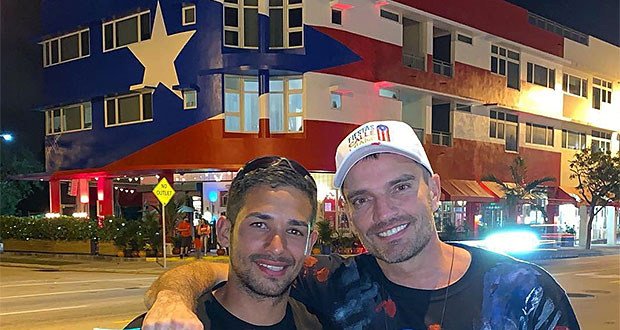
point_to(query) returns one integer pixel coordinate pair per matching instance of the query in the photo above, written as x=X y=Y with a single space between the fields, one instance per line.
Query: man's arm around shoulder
x=171 y=299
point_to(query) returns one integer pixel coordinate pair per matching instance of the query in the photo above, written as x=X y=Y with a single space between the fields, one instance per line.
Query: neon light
x=342 y=6
x=384 y=84
x=212 y=196
x=382 y=3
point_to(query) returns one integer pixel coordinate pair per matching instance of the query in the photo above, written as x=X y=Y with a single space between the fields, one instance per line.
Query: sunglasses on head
x=269 y=161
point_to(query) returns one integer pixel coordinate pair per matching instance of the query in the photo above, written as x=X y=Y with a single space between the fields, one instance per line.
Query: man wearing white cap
x=410 y=279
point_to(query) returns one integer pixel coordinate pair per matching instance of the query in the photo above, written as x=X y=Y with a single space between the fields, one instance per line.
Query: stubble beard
x=255 y=286
x=402 y=249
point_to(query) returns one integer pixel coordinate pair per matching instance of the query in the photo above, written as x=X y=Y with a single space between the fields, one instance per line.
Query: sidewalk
x=88 y=263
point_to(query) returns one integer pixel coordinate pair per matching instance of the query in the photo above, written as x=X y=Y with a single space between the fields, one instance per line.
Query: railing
x=441 y=138
x=558 y=28
x=413 y=61
x=442 y=68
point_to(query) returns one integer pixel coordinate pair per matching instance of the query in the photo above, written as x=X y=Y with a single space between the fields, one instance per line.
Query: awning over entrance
x=564 y=195
x=466 y=190
x=496 y=189
x=575 y=194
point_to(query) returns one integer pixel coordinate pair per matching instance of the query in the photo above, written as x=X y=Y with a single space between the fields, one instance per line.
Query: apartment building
x=190 y=90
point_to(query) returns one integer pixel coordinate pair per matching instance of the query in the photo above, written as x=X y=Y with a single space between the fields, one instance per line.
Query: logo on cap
x=383 y=133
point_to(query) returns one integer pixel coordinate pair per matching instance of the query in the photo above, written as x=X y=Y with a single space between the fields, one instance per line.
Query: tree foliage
x=13 y=162
x=598 y=182
x=521 y=190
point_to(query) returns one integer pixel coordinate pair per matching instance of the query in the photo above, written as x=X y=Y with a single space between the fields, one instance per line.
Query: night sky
x=21 y=68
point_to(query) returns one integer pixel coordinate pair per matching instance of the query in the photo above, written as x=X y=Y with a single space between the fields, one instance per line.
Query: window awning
x=496 y=189
x=465 y=190
x=565 y=195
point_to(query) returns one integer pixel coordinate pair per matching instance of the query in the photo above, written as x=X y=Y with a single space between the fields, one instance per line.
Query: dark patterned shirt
x=496 y=293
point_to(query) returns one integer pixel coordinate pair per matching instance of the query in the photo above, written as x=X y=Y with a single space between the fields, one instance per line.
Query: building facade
x=190 y=90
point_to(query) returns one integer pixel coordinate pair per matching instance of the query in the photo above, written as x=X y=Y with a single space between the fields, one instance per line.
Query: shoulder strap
x=303 y=319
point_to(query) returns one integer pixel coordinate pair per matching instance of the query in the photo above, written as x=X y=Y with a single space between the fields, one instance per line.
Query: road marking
x=66 y=292
x=591 y=271
x=594 y=275
x=43 y=310
x=84 y=281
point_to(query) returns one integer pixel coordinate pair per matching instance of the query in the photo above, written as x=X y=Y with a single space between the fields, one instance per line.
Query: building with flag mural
x=190 y=90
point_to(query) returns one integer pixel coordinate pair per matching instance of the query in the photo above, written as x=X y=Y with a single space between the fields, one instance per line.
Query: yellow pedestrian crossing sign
x=163 y=191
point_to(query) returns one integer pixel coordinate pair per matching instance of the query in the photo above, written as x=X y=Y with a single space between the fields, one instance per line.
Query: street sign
x=163 y=191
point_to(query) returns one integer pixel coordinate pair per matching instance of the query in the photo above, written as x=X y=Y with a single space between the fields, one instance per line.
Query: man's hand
x=171 y=313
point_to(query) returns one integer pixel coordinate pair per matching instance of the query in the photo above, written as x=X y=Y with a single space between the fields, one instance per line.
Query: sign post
x=164 y=192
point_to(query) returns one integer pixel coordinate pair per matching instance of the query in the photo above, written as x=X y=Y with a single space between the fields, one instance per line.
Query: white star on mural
x=158 y=54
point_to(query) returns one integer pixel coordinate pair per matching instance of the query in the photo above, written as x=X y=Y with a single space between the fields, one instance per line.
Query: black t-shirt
x=496 y=293
x=215 y=317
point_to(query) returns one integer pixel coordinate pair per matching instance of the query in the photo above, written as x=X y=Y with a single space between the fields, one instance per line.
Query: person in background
x=204 y=230
x=185 y=229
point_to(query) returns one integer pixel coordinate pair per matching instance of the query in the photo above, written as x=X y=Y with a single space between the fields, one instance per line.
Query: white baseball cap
x=378 y=137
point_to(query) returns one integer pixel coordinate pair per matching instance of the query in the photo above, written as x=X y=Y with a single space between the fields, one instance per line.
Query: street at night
x=35 y=299
x=40 y=299
x=279 y=135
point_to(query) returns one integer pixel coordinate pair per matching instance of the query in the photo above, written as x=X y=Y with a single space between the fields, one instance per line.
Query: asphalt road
x=593 y=286
x=31 y=299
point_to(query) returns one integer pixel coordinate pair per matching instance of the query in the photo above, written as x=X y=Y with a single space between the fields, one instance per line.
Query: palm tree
x=521 y=189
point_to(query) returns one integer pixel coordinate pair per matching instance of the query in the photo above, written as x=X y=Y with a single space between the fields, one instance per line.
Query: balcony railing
x=442 y=68
x=413 y=61
x=442 y=138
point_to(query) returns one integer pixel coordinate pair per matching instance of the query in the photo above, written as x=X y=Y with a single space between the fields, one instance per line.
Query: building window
x=128 y=109
x=573 y=140
x=241 y=23
x=190 y=99
x=390 y=15
x=286 y=104
x=463 y=107
x=66 y=48
x=504 y=126
x=441 y=129
x=505 y=62
x=601 y=141
x=241 y=104
x=575 y=85
x=285 y=23
x=464 y=38
x=70 y=118
x=336 y=101
x=126 y=30
x=540 y=75
x=601 y=92
x=189 y=14
x=539 y=134
x=389 y=93
x=336 y=16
